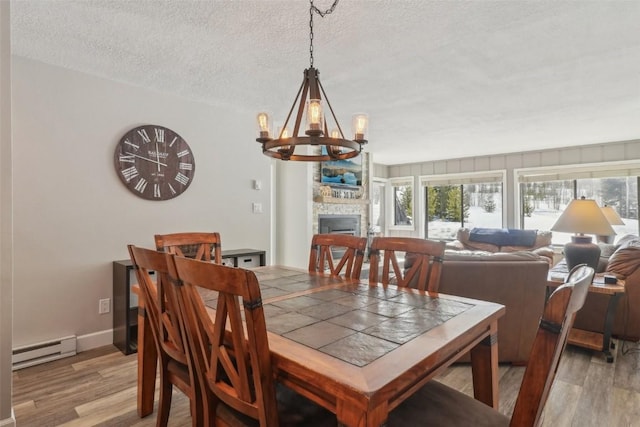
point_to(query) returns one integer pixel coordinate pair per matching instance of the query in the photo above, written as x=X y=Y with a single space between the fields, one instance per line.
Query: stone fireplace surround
x=343 y=207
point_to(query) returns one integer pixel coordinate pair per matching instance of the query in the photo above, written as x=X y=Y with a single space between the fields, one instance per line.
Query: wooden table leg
x=484 y=368
x=355 y=413
x=147 y=360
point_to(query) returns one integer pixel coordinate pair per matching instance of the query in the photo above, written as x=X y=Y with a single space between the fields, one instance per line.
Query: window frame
x=397 y=182
x=569 y=173
x=480 y=177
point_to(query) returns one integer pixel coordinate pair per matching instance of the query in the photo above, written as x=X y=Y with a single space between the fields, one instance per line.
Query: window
x=402 y=201
x=543 y=196
x=377 y=207
x=466 y=200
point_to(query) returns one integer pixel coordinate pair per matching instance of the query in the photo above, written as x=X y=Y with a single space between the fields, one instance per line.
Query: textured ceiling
x=439 y=79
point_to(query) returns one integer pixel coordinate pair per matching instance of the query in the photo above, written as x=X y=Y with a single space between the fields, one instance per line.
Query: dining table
x=357 y=348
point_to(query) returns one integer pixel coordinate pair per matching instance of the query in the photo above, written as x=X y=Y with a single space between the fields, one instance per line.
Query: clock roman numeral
x=129 y=173
x=126 y=141
x=185 y=166
x=173 y=191
x=183 y=153
x=141 y=185
x=159 y=134
x=173 y=141
x=182 y=179
x=127 y=158
x=156 y=190
x=143 y=134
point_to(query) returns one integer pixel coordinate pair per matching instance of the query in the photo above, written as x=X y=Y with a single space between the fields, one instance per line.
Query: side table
x=589 y=339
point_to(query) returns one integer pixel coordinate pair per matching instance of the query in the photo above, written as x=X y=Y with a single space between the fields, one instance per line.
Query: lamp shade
x=611 y=215
x=583 y=216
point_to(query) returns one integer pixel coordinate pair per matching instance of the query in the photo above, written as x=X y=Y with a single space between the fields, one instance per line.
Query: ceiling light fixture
x=334 y=145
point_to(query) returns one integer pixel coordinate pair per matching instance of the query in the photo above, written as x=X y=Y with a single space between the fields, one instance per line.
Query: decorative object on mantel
x=309 y=98
x=325 y=191
x=583 y=216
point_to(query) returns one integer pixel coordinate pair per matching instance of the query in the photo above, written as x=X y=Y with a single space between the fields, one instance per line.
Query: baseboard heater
x=35 y=354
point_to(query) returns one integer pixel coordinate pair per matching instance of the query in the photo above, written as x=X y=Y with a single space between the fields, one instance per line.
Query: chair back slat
x=548 y=346
x=422 y=267
x=161 y=304
x=200 y=246
x=231 y=356
x=321 y=256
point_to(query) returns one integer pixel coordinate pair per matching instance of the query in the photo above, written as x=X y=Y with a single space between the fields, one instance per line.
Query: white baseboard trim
x=9 y=422
x=94 y=340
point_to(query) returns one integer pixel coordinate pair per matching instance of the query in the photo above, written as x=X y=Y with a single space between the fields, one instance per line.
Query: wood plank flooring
x=98 y=388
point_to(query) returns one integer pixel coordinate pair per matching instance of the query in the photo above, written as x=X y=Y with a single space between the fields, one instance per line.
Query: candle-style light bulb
x=283 y=133
x=314 y=115
x=263 y=125
x=335 y=134
x=360 y=124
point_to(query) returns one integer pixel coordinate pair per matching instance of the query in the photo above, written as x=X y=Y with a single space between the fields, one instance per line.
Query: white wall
x=6 y=240
x=73 y=216
x=294 y=197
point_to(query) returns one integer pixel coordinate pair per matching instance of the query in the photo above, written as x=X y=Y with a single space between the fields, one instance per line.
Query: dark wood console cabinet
x=125 y=301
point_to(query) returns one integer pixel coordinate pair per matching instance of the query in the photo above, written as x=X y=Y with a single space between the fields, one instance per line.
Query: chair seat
x=436 y=404
x=293 y=410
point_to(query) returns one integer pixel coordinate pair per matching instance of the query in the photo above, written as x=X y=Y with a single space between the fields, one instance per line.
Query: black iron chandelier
x=333 y=145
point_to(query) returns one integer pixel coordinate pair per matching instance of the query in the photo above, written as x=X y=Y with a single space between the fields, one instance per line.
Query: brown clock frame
x=154 y=162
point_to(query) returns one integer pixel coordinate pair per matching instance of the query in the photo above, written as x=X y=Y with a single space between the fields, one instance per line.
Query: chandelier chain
x=322 y=14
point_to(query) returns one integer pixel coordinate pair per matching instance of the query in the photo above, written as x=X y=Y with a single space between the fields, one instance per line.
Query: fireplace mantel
x=340 y=200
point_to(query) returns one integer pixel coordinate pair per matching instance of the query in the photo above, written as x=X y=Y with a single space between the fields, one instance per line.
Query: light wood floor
x=98 y=388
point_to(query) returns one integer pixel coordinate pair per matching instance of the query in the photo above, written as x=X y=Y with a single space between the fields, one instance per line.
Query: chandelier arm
x=305 y=89
x=326 y=98
x=291 y=111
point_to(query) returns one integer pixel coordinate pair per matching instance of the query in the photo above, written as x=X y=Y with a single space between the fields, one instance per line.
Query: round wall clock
x=154 y=162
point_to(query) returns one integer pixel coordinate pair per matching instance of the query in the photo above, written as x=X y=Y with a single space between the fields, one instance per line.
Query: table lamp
x=614 y=219
x=583 y=216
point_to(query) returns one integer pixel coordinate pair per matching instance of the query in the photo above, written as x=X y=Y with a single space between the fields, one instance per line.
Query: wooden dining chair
x=436 y=404
x=231 y=353
x=426 y=262
x=202 y=246
x=321 y=256
x=167 y=327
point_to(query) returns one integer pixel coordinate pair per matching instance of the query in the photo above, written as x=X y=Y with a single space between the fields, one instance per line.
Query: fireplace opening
x=339 y=224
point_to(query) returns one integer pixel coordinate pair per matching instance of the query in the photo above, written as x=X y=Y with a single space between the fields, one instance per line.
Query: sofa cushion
x=490 y=256
x=626 y=259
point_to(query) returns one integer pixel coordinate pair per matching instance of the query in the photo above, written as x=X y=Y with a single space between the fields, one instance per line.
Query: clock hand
x=144 y=158
x=157 y=156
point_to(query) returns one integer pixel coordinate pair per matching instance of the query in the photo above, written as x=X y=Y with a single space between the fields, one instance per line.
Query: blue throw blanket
x=503 y=236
